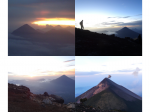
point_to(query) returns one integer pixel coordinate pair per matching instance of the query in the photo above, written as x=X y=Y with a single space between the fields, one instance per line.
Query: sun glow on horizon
x=55 y=21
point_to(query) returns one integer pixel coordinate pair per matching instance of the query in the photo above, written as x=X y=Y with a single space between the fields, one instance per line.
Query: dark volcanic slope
x=107 y=83
x=108 y=100
x=94 y=44
x=109 y=95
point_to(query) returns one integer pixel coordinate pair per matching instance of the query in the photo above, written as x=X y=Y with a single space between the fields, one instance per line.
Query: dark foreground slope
x=20 y=99
x=109 y=100
x=108 y=95
x=94 y=44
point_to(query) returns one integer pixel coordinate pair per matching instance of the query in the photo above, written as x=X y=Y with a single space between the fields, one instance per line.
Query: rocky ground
x=94 y=44
x=20 y=99
x=83 y=108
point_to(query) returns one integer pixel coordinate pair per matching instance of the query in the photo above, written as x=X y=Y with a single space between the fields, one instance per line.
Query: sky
x=125 y=71
x=40 y=12
x=22 y=68
x=108 y=14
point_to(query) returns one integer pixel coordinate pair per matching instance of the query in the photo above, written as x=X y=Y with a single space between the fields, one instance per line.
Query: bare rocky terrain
x=20 y=99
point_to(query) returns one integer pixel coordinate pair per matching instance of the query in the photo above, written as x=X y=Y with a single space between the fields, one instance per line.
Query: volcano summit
x=108 y=95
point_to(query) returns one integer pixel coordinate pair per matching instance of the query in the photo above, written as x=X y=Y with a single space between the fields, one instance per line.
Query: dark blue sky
x=109 y=13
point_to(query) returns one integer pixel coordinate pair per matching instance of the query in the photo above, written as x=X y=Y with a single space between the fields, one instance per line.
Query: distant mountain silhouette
x=41 y=31
x=63 y=80
x=98 y=44
x=26 y=31
x=108 y=95
x=62 y=86
x=47 y=28
x=53 y=36
x=58 y=27
x=126 y=32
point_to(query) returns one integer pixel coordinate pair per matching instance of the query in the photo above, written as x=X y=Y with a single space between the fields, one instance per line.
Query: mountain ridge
x=126 y=32
x=108 y=95
x=106 y=83
x=52 y=36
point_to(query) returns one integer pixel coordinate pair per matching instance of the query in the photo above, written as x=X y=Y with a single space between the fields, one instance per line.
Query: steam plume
x=109 y=76
x=135 y=73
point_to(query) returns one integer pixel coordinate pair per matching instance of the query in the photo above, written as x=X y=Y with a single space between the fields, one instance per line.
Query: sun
x=54 y=21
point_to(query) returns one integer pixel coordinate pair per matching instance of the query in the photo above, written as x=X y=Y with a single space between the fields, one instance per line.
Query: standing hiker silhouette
x=81 y=24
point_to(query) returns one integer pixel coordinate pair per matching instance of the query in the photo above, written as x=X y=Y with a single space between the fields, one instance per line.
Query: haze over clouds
x=125 y=71
x=111 y=15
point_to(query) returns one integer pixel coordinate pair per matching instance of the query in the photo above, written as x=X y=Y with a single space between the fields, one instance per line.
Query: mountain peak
x=105 y=80
x=25 y=25
x=25 y=30
x=63 y=76
x=126 y=28
x=126 y=32
x=107 y=91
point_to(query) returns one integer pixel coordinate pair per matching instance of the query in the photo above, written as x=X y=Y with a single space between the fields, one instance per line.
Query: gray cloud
x=110 y=23
x=138 y=15
x=125 y=70
x=120 y=17
x=70 y=65
x=133 y=23
x=87 y=73
x=139 y=23
x=70 y=60
x=11 y=73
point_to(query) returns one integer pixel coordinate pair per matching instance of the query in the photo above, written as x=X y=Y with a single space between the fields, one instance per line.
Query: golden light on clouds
x=54 y=21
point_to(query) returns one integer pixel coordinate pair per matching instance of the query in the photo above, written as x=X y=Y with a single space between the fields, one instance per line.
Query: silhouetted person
x=81 y=24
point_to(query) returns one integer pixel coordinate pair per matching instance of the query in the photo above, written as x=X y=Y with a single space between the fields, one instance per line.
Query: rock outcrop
x=20 y=99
